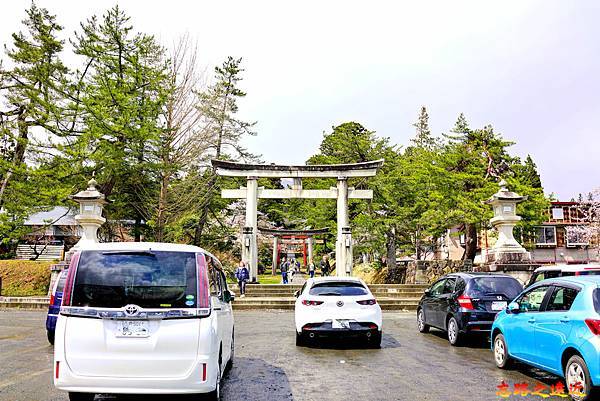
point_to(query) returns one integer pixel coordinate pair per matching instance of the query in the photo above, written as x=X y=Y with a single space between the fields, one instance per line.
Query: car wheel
x=81 y=396
x=50 y=335
x=578 y=380
x=375 y=340
x=423 y=328
x=454 y=335
x=300 y=340
x=501 y=357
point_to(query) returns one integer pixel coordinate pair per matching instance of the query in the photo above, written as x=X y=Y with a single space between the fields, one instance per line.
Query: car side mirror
x=297 y=293
x=427 y=292
x=513 y=307
x=228 y=296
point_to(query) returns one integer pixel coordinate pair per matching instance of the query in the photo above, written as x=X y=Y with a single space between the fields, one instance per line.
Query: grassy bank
x=24 y=277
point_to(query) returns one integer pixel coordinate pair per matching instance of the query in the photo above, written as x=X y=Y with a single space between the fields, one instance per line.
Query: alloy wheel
x=576 y=378
x=499 y=351
x=452 y=329
x=420 y=321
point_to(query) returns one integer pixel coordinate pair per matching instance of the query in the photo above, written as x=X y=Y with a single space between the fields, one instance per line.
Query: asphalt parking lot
x=268 y=365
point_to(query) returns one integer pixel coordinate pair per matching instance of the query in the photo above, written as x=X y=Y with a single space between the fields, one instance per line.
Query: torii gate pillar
x=343 y=243
x=250 y=245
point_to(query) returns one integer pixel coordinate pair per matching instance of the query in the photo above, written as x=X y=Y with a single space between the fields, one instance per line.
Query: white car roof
x=568 y=268
x=142 y=246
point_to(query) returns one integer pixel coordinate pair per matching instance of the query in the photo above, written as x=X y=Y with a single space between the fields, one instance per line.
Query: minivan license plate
x=498 y=305
x=132 y=328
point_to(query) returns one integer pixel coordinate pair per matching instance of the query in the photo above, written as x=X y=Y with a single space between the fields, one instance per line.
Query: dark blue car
x=54 y=307
x=465 y=303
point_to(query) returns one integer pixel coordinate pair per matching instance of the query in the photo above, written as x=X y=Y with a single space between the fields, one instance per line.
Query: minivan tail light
x=56 y=369
x=367 y=302
x=202 y=272
x=308 y=302
x=594 y=326
x=465 y=302
x=68 y=290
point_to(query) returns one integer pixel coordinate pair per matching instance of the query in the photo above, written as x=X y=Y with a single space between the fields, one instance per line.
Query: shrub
x=24 y=277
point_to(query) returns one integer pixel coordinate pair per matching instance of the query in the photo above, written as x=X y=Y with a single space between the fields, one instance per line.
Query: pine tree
x=423 y=138
x=33 y=98
x=123 y=91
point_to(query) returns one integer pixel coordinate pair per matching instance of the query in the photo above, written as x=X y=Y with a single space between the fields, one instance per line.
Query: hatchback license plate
x=498 y=305
x=340 y=324
x=132 y=328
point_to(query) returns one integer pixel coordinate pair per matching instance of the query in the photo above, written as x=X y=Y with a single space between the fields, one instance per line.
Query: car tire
x=454 y=336
x=81 y=396
x=50 y=335
x=421 y=325
x=300 y=340
x=577 y=371
x=501 y=356
x=375 y=340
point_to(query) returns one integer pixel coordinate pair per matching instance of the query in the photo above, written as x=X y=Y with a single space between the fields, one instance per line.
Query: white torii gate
x=252 y=172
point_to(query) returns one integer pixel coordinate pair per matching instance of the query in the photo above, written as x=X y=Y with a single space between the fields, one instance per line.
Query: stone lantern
x=506 y=250
x=91 y=202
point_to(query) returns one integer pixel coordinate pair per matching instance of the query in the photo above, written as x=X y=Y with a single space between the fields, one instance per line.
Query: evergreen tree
x=32 y=93
x=123 y=91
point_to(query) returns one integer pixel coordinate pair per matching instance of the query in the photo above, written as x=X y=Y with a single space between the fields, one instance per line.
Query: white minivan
x=143 y=318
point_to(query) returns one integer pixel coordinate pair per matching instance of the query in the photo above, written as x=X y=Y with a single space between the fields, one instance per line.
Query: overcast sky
x=529 y=68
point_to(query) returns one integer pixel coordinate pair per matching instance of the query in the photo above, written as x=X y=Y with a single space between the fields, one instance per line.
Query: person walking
x=242 y=274
x=311 y=269
x=325 y=266
x=284 y=270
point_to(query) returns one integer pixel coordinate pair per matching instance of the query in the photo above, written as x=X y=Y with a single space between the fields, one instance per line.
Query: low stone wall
x=427 y=271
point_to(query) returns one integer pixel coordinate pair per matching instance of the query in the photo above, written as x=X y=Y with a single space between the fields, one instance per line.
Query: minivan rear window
x=154 y=279
x=484 y=286
x=338 y=288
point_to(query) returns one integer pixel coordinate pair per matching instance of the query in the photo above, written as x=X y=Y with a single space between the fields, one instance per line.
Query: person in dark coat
x=242 y=274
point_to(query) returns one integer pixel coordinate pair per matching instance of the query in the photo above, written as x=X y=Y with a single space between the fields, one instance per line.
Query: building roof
x=58 y=216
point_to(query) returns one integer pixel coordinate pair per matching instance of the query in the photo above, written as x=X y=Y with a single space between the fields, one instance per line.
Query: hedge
x=24 y=277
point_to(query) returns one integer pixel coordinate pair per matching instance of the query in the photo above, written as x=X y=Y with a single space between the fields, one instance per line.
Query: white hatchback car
x=337 y=306
x=143 y=318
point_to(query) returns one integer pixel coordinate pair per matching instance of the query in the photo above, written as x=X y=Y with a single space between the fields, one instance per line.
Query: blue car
x=554 y=325
x=54 y=307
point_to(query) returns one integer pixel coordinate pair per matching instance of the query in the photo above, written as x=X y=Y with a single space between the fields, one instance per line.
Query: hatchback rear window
x=147 y=279
x=338 y=288
x=484 y=286
x=588 y=273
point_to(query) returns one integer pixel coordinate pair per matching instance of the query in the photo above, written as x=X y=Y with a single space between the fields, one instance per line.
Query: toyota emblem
x=340 y=303
x=132 y=310
x=499 y=298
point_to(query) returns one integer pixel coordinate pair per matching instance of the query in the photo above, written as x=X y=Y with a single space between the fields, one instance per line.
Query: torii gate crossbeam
x=252 y=172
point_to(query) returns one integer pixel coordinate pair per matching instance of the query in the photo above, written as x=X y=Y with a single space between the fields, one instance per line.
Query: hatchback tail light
x=594 y=325
x=52 y=299
x=465 y=302
x=367 y=302
x=57 y=370
x=309 y=302
x=66 y=301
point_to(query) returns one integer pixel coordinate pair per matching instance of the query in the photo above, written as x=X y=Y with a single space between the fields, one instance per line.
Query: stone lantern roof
x=90 y=194
x=505 y=195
